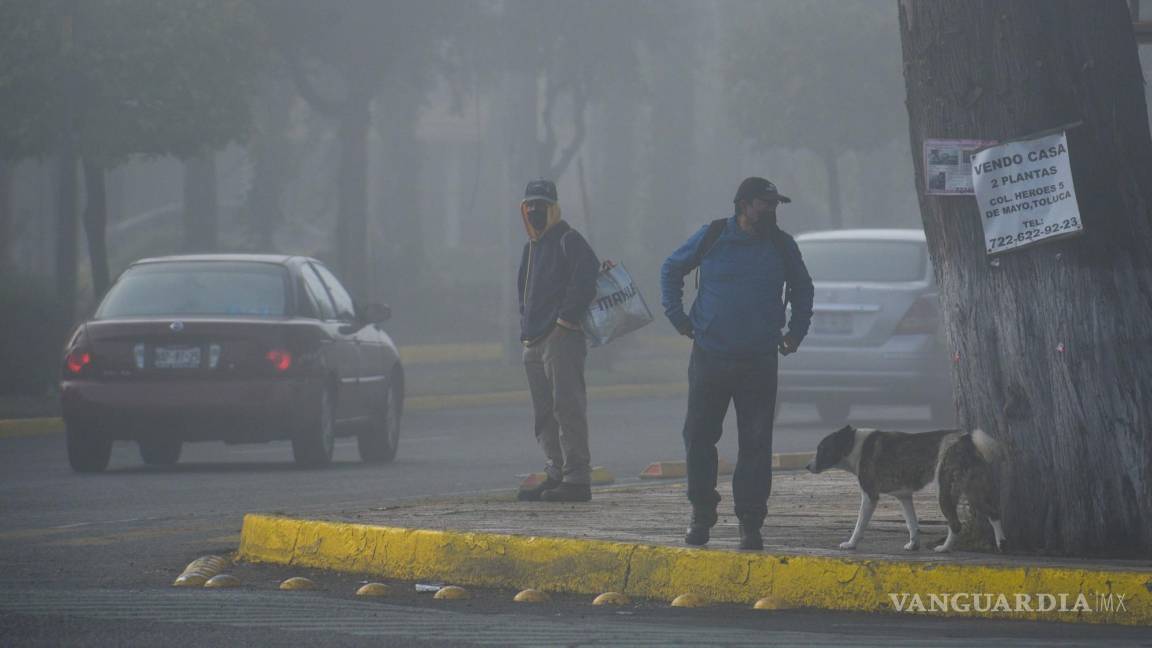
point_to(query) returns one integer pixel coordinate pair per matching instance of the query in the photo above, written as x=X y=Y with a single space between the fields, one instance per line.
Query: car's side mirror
x=373 y=313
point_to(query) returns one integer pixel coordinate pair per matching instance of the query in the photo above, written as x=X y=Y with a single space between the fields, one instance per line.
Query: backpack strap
x=715 y=229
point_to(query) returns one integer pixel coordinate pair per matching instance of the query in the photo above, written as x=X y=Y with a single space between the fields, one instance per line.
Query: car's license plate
x=832 y=323
x=177 y=358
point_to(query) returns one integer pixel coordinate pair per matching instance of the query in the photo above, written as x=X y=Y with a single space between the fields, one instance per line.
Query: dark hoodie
x=557 y=278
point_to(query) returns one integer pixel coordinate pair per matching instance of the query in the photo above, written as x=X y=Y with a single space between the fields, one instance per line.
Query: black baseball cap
x=541 y=189
x=759 y=188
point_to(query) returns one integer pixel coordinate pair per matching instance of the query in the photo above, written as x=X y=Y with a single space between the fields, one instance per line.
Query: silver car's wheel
x=313 y=445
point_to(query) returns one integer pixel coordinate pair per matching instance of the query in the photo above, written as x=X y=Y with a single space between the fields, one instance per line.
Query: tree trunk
x=398 y=209
x=67 y=228
x=1052 y=341
x=96 y=225
x=831 y=161
x=7 y=228
x=270 y=159
x=201 y=216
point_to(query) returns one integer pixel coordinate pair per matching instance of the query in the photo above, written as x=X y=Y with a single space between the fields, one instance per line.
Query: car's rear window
x=217 y=288
x=869 y=261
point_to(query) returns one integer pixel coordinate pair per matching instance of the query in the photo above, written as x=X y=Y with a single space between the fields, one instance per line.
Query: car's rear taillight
x=77 y=361
x=280 y=359
x=922 y=317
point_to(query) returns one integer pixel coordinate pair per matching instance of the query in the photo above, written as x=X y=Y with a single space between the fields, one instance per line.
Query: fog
x=427 y=119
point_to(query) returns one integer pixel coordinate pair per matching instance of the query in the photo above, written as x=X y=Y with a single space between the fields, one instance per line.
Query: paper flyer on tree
x=1025 y=193
x=948 y=165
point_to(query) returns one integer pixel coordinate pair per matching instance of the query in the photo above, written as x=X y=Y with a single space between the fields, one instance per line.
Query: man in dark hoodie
x=749 y=270
x=556 y=282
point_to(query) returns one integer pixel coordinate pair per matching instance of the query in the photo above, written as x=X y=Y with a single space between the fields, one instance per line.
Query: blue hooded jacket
x=739 y=309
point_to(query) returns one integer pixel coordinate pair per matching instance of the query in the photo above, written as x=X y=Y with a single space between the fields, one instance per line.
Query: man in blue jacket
x=556 y=282
x=749 y=270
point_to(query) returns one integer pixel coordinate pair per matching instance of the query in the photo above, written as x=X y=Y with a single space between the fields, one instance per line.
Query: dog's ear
x=845 y=439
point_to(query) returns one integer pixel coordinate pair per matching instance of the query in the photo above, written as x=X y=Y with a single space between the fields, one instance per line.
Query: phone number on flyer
x=1012 y=240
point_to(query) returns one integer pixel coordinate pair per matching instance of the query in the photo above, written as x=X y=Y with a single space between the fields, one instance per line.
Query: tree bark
x=351 y=220
x=96 y=225
x=67 y=228
x=201 y=216
x=270 y=159
x=1052 y=343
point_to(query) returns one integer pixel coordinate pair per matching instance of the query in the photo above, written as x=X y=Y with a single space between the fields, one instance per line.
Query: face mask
x=538 y=217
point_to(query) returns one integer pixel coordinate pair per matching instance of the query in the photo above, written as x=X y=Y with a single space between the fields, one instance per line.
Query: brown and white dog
x=900 y=464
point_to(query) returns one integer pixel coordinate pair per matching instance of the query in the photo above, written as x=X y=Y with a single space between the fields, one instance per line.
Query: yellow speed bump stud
x=222 y=581
x=374 y=589
x=298 y=583
x=190 y=580
x=766 y=603
x=689 y=601
x=612 y=598
x=451 y=593
x=532 y=596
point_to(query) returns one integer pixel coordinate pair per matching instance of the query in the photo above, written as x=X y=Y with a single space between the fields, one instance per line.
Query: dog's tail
x=988 y=447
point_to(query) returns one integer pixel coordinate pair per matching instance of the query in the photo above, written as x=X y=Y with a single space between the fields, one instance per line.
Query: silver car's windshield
x=212 y=288
x=865 y=261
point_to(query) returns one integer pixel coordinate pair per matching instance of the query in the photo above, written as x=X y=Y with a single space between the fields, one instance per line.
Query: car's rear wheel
x=379 y=443
x=160 y=452
x=313 y=444
x=833 y=412
x=88 y=452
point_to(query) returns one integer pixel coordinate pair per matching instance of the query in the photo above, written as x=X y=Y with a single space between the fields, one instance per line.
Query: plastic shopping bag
x=618 y=308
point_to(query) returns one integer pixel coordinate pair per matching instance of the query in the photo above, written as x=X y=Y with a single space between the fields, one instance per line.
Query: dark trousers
x=750 y=383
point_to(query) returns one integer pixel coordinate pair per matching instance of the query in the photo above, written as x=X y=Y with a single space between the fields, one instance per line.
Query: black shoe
x=533 y=494
x=750 y=538
x=700 y=526
x=568 y=492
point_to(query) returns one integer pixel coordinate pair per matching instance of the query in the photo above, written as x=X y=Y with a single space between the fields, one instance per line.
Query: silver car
x=875 y=336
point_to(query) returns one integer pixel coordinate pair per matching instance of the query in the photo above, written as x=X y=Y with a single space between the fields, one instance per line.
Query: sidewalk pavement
x=630 y=539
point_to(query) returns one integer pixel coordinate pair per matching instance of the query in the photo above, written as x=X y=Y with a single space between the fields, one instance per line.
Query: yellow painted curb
x=601 y=476
x=657 y=572
x=374 y=589
x=677 y=469
x=531 y=596
x=792 y=460
x=14 y=428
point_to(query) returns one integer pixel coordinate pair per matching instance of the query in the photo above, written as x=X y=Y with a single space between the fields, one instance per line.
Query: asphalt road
x=88 y=559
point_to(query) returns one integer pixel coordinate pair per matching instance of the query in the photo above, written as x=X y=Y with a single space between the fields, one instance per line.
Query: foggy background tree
x=838 y=93
x=1051 y=342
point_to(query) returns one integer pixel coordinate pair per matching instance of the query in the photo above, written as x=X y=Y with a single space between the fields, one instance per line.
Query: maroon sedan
x=234 y=348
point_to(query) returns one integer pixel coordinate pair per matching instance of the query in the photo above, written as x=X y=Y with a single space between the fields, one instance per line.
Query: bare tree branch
x=579 y=117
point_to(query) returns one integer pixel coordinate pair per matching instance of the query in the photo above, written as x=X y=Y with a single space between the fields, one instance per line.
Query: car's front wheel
x=313 y=444
x=380 y=441
x=88 y=452
x=160 y=452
